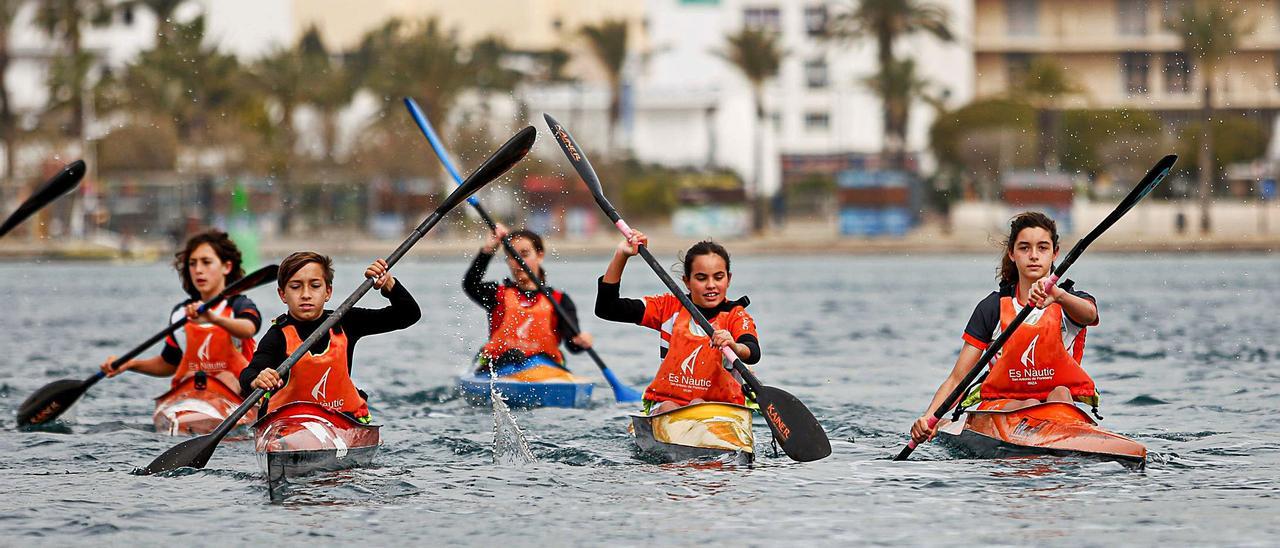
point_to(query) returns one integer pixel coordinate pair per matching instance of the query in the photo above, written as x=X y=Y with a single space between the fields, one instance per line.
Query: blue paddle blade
x=621 y=392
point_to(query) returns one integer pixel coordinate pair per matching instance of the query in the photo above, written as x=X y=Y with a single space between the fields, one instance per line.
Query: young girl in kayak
x=1041 y=360
x=523 y=325
x=217 y=343
x=693 y=369
x=323 y=375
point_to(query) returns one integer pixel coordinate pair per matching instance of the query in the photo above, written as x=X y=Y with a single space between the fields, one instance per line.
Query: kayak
x=197 y=406
x=1050 y=428
x=302 y=437
x=537 y=382
x=697 y=432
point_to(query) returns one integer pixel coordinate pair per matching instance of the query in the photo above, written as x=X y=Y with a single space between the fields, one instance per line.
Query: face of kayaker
x=531 y=256
x=306 y=292
x=208 y=272
x=708 y=280
x=1033 y=252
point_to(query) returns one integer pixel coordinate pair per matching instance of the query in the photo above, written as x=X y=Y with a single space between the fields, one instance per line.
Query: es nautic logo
x=318 y=392
x=1029 y=356
x=203 y=352
x=686 y=366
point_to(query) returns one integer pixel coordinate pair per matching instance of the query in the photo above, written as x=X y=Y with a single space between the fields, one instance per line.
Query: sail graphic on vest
x=523 y=331
x=319 y=390
x=1029 y=356
x=203 y=352
x=686 y=366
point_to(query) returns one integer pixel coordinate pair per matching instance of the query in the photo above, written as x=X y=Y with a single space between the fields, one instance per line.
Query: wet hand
x=380 y=273
x=921 y=432
x=722 y=338
x=583 y=340
x=630 y=247
x=500 y=231
x=268 y=379
x=113 y=371
x=1043 y=293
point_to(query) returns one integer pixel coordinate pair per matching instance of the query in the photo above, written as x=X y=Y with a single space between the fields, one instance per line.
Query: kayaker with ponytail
x=693 y=368
x=524 y=329
x=323 y=375
x=1041 y=360
x=219 y=342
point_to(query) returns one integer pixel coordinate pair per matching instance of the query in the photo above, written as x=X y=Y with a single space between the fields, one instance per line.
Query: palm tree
x=8 y=121
x=280 y=77
x=422 y=61
x=757 y=54
x=1210 y=31
x=62 y=20
x=608 y=41
x=333 y=87
x=162 y=10
x=886 y=21
x=1044 y=86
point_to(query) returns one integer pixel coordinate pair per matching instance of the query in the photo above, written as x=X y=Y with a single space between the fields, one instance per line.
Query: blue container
x=859 y=178
x=895 y=221
x=860 y=221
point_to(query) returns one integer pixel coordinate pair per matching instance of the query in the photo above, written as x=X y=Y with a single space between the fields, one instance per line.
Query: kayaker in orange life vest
x=522 y=323
x=693 y=368
x=323 y=375
x=217 y=343
x=1041 y=360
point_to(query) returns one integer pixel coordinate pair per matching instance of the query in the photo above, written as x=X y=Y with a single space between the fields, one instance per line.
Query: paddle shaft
x=335 y=316
x=1153 y=177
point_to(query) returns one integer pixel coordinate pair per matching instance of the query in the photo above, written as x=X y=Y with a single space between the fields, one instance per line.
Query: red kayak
x=1050 y=428
x=197 y=406
x=303 y=437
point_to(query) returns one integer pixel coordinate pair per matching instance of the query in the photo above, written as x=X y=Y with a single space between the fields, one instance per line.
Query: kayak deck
x=301 y=437
x=1050 y=428
x=532 y=384
x=196 y=407
x=699 y=431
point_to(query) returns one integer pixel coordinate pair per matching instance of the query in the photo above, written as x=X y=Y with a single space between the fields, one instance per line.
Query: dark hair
x=222 y=246
x=705 y=247
x=538 y=246
x=1008 y=272
x=294 y=262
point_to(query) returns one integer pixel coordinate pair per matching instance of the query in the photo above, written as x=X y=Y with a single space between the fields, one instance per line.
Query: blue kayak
x=537 y=382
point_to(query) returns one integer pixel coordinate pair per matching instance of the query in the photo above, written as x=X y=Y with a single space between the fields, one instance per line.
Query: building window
x=775 y=120
x=1172 y=11
x=815 y=20
x=1017 y=65
x=762 y=19
x=815 y=73
x=1024 y=17
x=817 y=121
x=1134 y=69
x=1177 y=73
x=126 y=15
x=1132 y=17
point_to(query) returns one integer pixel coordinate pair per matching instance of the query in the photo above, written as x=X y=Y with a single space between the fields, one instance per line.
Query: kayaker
x=523 y=325
x=1041 y=361
x=693 y=370
x=218 y=343
x=323 y=375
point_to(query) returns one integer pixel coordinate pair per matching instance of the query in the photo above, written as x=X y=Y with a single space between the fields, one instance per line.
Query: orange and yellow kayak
x=696 y=432
x=1050 y=428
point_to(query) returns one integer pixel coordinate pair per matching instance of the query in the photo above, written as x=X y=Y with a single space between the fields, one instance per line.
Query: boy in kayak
x=217 y=343
x=523 y=325
x=323 y=375
x=693 y=369
x=1041 y=360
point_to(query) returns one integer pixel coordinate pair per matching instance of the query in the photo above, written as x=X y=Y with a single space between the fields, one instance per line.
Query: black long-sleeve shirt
x=356 y=323
x=485 y=294
x=611 y=306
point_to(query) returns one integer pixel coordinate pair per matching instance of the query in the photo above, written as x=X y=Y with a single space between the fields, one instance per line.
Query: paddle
x=793 y=425
x=1148 y=183
x=51 y=400
x=195 y=452
x=60 y=184
x=621 y=392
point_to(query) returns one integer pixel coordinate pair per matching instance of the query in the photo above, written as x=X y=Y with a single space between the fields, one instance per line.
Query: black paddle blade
x=498 y=163
x=581 y=164
x=60 y=184
x=266 y=274
x=193 y=453
x=793 y=425
x=50 y=402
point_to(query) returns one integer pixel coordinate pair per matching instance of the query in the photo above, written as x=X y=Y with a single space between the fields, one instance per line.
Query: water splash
x=509 y=443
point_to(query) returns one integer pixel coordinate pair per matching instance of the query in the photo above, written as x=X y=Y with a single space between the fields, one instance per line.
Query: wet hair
x=538 y=246
x=1008 y=273
x=705 y=247
x=294 y=262
x=222 y=246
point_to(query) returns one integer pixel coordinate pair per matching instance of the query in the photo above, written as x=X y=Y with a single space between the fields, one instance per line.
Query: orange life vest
x=526 y=325
x=212 y=349
x=691 y=368
x=323 y=378
x=1035 y=360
